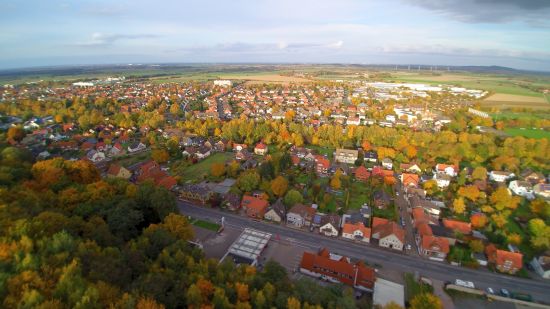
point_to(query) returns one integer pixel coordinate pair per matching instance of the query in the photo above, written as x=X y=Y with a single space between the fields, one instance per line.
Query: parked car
x=522 y=296
x=466 y=284
x=490 y=290
x=408 y=247
x=504 y=292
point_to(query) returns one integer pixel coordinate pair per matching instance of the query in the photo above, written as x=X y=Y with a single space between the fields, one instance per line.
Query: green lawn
x=200 y=170
x=529 y=133
x=323 y=150
x=127 y=160
x=206 y=225
x=359 y=194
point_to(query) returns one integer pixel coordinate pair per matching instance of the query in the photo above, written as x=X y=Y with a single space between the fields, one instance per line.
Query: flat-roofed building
x=248 y=247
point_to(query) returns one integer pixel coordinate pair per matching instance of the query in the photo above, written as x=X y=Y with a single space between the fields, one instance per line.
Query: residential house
x=300 y=215
x=135 y=147
x=464 y=228
x=260 y=149
x=449 y=169
x=362 y=173
x=338 y=269
x=95 y=156
x=371 y=156
x=199 y=193
x=322 y=165
x=356 y=231
x=522 y=188
x=116 y=150
x=381 y=199
x=387 y=163
x=203 y=152
x=500 y=176
x=541 y=265
x=504 y=261
x=532 y=177
x=118 y=171
x=254 y=207
x=542 y=190
x=346 y=156
x=434 y=248
x=409 y=180
x=410 y=168
x=443 y=179
x=239 y=147
x=276 y=212
x=388 y=233
x=329 y=225
x=231 y=201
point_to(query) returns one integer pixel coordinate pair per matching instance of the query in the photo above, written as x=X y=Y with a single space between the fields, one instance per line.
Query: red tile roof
x=362 y=173
x=384 y=227
x=341 y=269
x=432 y=243
x=409 y=179
x=349 y=228
x=462 y=227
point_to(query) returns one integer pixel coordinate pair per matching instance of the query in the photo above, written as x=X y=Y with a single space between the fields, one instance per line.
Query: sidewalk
x=439 y=291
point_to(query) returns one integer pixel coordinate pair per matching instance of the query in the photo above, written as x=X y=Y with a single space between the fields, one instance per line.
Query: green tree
x=293 y=197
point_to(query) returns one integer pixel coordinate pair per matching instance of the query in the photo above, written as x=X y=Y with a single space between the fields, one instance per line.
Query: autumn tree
x=459 y=206
x=478 y=220
x=479 y=173
x=476 y=245
x=160 y=155
x=279 y=186
x=502 y=199
x=426 y=301
x=217 y=169
x=472 y=193
x=335 y=182
x=540 y=207
x=15 y=133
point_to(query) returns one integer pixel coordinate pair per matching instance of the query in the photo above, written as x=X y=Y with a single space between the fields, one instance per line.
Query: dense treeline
x=69 y=239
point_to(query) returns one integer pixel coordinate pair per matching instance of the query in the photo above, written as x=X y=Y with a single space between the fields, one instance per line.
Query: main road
x=540 y=290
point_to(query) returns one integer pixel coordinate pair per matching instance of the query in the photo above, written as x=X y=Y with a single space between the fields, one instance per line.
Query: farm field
x=260 y=78
x=500 y=97
x=501 y=84
x=529 y=133
x=502 y=100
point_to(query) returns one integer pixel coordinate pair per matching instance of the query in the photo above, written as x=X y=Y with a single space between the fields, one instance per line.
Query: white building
x=522 y=188
x=223 y=83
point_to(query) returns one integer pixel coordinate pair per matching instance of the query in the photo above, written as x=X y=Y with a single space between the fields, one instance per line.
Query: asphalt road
x=540 y=290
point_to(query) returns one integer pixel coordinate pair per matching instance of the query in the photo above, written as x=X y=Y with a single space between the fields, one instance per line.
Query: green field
x=529 y=133
x=505 y=84
x=200 y=170
x=205 y=224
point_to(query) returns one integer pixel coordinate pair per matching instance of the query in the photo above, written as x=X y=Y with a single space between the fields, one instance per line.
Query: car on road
x=490 y=290
x=402 y=222
x=504 y=292
x=466 y=284
x=408 y=247
x=397 y=193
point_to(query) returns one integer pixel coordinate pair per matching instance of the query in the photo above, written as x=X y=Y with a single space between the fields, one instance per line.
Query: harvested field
x=268 y=78
x=500 y=97
x=502 y=101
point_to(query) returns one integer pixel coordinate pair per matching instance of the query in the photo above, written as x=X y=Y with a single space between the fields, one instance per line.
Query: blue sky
x=514 y=33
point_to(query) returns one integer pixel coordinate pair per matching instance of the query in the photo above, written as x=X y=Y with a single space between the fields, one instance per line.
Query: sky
x=512 y=33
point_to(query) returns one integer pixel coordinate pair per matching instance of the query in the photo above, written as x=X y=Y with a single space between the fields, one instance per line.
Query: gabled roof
x=384 y=228
x=350 y=228
x=432 y=243
x=462 y=227
x=254 y=203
